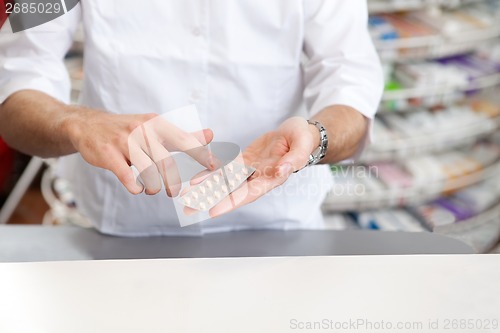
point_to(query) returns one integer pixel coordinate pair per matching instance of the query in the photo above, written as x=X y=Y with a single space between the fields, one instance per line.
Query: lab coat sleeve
x=342 y=65
x=34 y=59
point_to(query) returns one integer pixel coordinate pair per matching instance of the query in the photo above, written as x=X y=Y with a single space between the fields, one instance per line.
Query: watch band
x=320 y=152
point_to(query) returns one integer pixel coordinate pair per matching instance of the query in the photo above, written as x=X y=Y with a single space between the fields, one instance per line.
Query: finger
x=145 y=137
x=242 y=196
x=151 y=178
x=249 y=192
x=204 y=137
x=200 y=177
x=147 y=169
x=166 y=166
x=170 y=175
x=202 y=154
x=189 y=143
x=297 y=157
x=167 y=129
x=119 y=166
x=188 y=211
x=142 y=157
x=175 y=139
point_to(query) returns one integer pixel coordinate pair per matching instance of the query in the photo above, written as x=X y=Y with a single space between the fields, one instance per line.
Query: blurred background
x=434 y=165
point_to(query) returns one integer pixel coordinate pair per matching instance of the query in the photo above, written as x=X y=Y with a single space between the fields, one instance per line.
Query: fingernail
x=152 y=191
x=211 y=161
x=285 y=170
x=140 y=189
x=215 y=163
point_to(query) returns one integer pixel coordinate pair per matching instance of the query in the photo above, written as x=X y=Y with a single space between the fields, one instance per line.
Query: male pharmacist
x=293 y=82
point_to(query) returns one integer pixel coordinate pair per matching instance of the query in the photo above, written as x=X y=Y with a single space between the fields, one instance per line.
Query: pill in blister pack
x=217 y=186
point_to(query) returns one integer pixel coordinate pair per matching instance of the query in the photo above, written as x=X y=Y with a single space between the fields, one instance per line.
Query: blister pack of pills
x=217 y=186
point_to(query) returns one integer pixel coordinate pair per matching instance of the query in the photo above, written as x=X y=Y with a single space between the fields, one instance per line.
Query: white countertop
x=274 y=294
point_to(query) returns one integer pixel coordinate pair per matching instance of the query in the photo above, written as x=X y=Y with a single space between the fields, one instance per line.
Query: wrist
x=315 y=135
x=71 y=126
x=319 y=153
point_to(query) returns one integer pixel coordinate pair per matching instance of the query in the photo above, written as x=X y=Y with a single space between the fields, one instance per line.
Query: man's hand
x=114 y=142
x=275 y=155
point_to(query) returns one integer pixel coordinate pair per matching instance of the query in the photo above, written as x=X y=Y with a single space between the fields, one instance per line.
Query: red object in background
x=3 y=11
x=6 y=163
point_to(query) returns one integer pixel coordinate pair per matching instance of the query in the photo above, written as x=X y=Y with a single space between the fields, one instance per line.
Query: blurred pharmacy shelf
x=78 y=41
x=402 y=145
x=435 y=46
x=432 y=32
x=481 y=231
x=407 y=99
x=441 y=82
x=391 y=6
x=74 y=65
x=434 y=164
x=471 y=215
x=361 y=199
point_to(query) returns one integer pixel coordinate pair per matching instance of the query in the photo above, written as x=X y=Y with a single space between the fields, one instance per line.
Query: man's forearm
x=34 y=123
x=346 y=129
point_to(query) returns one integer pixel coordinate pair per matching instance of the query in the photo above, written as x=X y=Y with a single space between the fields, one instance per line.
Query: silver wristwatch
x=319 y=153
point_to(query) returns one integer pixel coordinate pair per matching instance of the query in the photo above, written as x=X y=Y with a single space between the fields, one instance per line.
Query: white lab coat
x=241 y=62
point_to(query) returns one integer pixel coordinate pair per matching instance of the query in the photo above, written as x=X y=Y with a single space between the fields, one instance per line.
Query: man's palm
x=265 y=153
x=274 y=155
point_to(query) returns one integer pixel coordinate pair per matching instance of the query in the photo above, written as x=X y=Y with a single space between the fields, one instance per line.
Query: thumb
x=297 y=157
